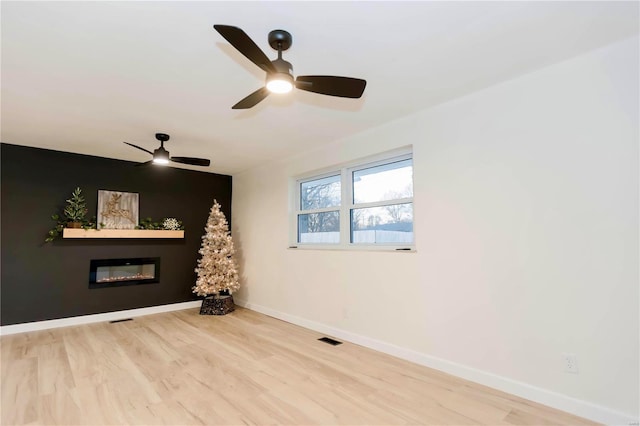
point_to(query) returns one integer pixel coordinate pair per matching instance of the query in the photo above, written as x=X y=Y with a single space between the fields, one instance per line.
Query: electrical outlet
x=570 y=363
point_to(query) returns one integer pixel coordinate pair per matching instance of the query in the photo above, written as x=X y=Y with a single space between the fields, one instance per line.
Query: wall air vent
x=120 y=320
x=330 y=341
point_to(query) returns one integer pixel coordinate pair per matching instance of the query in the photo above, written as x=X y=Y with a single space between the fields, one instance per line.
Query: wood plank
x=20 y=392
x=120 y=233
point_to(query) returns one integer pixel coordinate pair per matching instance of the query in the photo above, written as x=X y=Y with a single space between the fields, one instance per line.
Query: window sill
x=337 y=247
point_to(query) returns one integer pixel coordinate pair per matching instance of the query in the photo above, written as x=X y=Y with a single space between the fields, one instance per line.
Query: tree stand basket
x=221 y=306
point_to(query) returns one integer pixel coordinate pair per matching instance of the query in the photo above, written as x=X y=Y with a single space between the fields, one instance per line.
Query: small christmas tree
x=76 y=208
x=217 y=270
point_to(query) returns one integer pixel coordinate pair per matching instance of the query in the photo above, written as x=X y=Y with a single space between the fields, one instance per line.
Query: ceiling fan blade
x=344 y=87
x=146 y=163
x=191 y=160
x=253 y=99
x=139 y=147
x=243 y=43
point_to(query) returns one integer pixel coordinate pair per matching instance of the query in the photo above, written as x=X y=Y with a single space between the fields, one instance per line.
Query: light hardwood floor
x=181 y=368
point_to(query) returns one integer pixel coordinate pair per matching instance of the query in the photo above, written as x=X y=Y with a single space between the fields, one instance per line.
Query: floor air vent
x=122 y=320
x=330 y=341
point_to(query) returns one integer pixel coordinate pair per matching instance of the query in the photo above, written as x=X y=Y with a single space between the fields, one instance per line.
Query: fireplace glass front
x=121 y=272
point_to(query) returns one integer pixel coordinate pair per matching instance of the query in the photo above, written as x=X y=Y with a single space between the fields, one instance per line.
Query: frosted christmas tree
x=217 y=269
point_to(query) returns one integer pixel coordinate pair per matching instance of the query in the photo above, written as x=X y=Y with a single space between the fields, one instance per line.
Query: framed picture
x=117 y=210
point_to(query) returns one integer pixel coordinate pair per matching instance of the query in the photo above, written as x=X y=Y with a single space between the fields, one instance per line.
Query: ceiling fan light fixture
x=161 y=161
x=161 y=156
x=279 y=83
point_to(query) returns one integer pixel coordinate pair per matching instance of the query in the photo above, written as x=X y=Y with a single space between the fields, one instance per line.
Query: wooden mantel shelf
x=120 y=233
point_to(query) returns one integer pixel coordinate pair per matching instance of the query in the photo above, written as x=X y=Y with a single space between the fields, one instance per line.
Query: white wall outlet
x=570 y=362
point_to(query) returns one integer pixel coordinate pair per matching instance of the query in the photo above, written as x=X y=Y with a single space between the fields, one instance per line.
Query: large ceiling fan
x=280 y=72
x=161 y=155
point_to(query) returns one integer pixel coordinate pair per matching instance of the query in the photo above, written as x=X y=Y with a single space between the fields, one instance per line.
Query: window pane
x=382 y=183
x=319 y=227
x=377 y=225
x=320 y=193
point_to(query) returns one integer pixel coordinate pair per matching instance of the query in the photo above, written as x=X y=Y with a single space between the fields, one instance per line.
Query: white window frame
x=345 y=171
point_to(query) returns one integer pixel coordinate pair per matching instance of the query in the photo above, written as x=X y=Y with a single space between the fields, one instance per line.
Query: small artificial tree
x=74 y=211
x=76 y=208
x=217 y=269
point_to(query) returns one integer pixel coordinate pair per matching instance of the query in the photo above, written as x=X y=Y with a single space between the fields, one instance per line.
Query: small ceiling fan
x=280 y=72
x=161 y=155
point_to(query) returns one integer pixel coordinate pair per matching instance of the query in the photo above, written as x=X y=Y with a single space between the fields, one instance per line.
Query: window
x=319 y=217
x=382 y=209
x=369 y=204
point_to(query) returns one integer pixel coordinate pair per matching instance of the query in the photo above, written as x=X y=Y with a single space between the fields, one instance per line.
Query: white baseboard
x=88 y=319
x=543 y=396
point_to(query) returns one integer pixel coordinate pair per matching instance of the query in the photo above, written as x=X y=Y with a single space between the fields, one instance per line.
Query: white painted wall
x=526 y=203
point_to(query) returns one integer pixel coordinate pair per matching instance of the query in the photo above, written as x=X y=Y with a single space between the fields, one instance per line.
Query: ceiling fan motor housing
x=282 y=66
x=284 y=71
x=161 y=154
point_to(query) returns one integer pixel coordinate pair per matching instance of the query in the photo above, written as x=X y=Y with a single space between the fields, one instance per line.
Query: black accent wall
x=43 y=281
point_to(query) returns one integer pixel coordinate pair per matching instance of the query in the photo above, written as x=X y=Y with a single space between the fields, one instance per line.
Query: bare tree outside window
x=320 y=194
x=400 y=212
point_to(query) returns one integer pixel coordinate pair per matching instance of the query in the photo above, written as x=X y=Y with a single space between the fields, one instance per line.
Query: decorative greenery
x=171 y=224
x=76 y=208
x=74 y=211
x=56 y=231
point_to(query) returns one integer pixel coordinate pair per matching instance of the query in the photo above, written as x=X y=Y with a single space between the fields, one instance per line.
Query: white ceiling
x=85 y=76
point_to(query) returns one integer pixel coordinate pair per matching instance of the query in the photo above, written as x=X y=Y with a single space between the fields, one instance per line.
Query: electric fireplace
x=120 y=272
